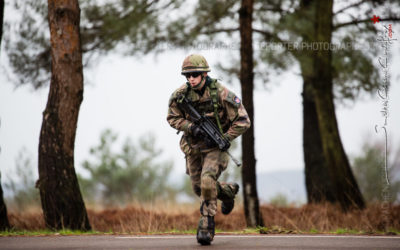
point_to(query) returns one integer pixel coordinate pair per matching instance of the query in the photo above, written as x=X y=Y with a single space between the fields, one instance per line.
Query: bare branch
x=276 y=10
x=272 y=37
x=350 y=6
x=355 y=22
x=227 y=30
x=268 y=35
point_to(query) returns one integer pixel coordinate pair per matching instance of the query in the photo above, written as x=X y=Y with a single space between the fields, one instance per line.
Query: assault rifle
x=207 y=126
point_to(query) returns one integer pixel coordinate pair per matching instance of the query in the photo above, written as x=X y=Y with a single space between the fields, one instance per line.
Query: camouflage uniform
x=203 y=164
x=200 y=160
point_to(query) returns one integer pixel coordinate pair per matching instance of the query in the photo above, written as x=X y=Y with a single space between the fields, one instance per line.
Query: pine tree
x=61 y=199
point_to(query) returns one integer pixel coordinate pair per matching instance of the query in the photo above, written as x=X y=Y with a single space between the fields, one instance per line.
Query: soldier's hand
x=197 y=131
x=209 y=142
x=200 y=134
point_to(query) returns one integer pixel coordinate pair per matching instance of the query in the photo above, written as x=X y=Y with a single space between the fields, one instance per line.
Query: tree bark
x=345 y=186
x=62 y=202
x=317 y=178
x=318 y=181
x=251 y=203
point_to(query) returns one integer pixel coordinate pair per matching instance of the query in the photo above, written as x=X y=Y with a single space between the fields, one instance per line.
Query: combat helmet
x=195 y=63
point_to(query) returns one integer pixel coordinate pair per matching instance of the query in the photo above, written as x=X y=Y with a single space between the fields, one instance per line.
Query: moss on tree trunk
x=345 y=186
x=318 y=181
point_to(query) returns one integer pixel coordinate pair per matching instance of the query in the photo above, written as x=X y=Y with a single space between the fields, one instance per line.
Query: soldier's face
x=195 y=82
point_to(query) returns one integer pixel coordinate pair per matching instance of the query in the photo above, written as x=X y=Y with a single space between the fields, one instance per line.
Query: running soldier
x=204 y=160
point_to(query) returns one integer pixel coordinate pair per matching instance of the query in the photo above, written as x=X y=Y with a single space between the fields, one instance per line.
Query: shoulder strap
x=214 y=99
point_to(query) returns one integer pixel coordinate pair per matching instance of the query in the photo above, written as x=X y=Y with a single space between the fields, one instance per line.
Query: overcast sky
x=130 y=96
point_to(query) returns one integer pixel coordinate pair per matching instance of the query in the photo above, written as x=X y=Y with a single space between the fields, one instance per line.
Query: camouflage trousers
x=204 y=170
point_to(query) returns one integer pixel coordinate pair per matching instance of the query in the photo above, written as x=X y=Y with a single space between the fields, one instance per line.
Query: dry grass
x=328 y=218
x=138 y=218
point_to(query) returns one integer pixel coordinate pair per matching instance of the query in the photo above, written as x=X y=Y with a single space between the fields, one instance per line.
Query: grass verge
x=307 y=219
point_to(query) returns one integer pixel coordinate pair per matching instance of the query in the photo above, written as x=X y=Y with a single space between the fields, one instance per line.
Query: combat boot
x=205 y=230
x=228 y=204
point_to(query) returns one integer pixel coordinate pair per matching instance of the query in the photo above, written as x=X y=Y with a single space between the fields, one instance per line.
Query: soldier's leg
x=226 y=193
x=226 y=190
x=193 y=167
x=209 y=175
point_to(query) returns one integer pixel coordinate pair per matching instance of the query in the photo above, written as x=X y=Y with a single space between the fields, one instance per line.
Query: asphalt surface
x=189 y=242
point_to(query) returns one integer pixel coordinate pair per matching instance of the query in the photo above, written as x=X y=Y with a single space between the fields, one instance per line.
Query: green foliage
x=354 y=71
x=130 y=174
x=129 y=27
x=137 y=24
x=279 y=200
x=27 y=43
x=369 y=172
x=22 y=184
x=346 y=231
x=353 y=63
x=284 y=29
x=141 y=26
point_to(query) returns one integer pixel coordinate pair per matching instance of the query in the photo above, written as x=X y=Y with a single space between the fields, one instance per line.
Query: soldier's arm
x=176 y=118
x=237 y=115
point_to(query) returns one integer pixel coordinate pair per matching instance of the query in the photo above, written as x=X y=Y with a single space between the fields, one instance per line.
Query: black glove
x=209 y=142
x=196 y=131
x=200 y=134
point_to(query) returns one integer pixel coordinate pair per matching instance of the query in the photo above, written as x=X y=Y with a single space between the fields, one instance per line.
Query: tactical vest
x=206 y=107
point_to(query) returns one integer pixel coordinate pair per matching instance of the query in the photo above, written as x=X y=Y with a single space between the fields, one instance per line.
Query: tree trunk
x=62 y=202
x=345 y=186
x=318 y=182
x=1 y=19
x=4 y=224
x=317 y=178
x=251 y=203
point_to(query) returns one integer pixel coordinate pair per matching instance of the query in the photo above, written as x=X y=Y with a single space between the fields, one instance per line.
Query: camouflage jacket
x=232 y=114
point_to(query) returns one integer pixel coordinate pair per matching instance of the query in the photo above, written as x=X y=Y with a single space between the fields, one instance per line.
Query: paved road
x=189 y=242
